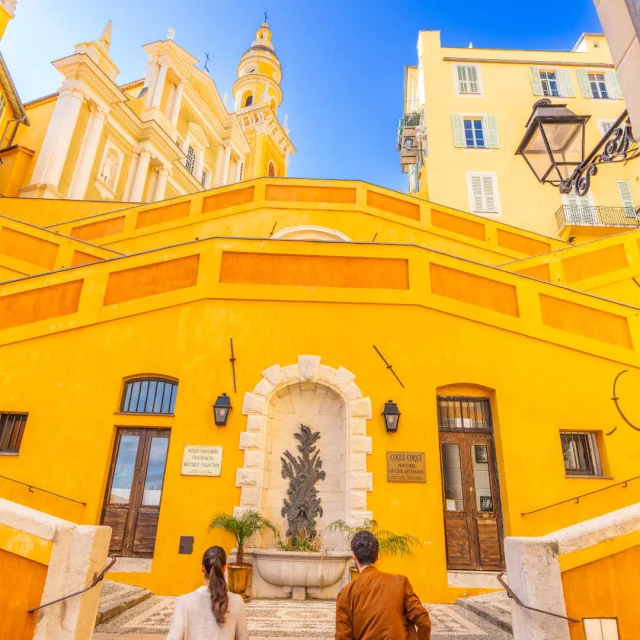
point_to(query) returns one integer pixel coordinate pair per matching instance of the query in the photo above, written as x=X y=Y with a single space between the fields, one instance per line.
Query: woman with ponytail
x=210 y=612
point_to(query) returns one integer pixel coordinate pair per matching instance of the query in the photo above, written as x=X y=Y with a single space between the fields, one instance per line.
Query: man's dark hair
x=365 y=547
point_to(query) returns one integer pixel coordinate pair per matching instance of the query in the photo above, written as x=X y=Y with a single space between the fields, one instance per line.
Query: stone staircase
x=493 y=607
x=116 y=598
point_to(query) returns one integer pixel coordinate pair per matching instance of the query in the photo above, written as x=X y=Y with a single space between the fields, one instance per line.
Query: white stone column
x=142 y=168
x=152 y=186
x=87 y=155
x=151 y=80
x=57 y=141
x=175 y=106
x=126 y=194
x=161 y=184
x=218 y=169
x=226 y=160
x=162 y=77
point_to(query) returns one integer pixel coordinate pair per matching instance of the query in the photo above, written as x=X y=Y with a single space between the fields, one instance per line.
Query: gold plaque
x=406 y=466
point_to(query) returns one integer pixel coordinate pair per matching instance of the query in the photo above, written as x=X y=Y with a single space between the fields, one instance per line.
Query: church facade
x=316 y=302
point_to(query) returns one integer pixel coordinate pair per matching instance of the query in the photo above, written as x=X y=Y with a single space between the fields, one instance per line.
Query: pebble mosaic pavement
x=287 y=620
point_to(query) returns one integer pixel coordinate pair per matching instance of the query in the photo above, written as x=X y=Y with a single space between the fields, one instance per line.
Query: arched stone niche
x=329 y=401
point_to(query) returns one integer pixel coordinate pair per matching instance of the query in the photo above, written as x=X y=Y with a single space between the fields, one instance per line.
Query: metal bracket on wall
x=232 y=360
x=389 y=366
x=617 y=403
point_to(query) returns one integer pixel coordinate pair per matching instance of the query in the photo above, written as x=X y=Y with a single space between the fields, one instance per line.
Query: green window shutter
x=613 y=84
x=462 y=79
x=566 y=84
x=458 y=131
x=490 y=199
x=626 y=195
x=490 y=125
x=583 y=81
x=477 y=195
x=536 y=83
x=474 y=84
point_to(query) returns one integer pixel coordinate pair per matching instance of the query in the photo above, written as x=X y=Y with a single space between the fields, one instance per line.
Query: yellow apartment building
x=122 y=325
x=167 y=134
x=470 y=106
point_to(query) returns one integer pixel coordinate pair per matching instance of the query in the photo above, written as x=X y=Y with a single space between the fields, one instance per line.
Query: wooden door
x=472 y=516
x=134 y=491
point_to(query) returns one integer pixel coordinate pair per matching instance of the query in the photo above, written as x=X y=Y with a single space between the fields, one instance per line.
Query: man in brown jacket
x=378 y=606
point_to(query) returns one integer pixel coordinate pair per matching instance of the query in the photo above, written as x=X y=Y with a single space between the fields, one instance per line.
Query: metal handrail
x=583 y=495
x=526 y=606
x=597 y=216
x=33 y=486
x=96 y=580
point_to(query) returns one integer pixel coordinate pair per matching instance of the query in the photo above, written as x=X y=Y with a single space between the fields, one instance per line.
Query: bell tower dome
x=259 y=74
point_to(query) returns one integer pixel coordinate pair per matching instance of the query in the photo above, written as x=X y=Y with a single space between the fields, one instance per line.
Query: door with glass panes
x=134 y=490
x=472 y=515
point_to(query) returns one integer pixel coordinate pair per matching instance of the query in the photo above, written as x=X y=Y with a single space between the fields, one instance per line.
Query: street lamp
x=391 y=415
x=221 y=410
x=554 y=143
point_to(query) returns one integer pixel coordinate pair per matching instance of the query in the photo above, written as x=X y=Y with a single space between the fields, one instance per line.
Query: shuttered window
x=468 y=79
x=596 y=84
x=483 y=193
x=551 y=82
x=205 y=179
x=580 y=453
x=580 y=209
x=149 y=395
x=191 y=159
x=605 y=126
x=626 y=197
x=475 y=132
x=11 y=431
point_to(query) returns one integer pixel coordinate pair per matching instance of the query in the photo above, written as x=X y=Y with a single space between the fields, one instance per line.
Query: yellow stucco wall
x=506 y=94
x=545 y=355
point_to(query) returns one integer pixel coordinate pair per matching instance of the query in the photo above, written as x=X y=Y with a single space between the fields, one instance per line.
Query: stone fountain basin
x=300 y=568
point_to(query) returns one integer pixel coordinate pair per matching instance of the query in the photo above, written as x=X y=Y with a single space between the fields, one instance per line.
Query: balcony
x=613 y=218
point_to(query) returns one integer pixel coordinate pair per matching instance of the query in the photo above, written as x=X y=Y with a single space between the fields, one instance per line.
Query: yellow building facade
x=470 y=107
x=122 y=324
x=165 y=135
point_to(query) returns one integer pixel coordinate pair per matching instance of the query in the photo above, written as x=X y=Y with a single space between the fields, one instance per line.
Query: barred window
x=149 y=395
x=191 y=159
x=11 y=431
x=459 y=413
x=580 y=453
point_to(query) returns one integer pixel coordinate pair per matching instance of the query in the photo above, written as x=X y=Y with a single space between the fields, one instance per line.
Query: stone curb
x=108 y=611
x=488 y=613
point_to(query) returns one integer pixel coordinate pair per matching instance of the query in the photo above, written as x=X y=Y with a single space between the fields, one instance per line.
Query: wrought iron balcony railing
x=597 y=216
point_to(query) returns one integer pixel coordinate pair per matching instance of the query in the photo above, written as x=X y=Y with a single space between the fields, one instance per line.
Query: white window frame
x=198 y=164
x=482 y=120
x=599 y=72
x=601 y=628
x=496 y=193
x=601 y=122
x=480 y=93
x=559 y=87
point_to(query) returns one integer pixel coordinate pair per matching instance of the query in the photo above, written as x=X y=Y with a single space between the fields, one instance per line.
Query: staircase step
x=493 y=607
x=116 y=598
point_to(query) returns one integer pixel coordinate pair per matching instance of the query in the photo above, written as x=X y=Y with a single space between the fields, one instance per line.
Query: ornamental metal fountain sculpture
x=303 y=505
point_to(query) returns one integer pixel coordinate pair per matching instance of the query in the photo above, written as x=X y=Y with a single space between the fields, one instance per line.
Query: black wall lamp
x=221 y=410
x=554 y=147
x=391 y=415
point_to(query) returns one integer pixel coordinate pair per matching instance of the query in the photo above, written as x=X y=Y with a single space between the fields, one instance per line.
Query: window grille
x=11 y=431
x=462 y=413
x=191 y=160
x=149 y=395
x=549 y=84
x=580 y=452
x=598 y=85
x=205 y=177
x=474 y=133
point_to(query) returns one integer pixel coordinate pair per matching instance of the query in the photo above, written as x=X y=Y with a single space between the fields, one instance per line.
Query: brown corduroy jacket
x=380 y=606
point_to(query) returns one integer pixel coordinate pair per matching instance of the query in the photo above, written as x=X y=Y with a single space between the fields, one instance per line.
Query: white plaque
x=201 y=460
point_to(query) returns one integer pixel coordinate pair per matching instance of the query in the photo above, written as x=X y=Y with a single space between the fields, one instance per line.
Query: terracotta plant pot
x=238 y=578
x=353 y=573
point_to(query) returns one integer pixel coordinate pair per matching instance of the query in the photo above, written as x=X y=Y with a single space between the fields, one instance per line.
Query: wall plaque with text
x=201 y=460
x=406 y=466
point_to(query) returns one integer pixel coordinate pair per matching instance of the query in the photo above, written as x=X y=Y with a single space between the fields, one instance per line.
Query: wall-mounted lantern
x=391 y=415
x=221 y=410
x=554 y=146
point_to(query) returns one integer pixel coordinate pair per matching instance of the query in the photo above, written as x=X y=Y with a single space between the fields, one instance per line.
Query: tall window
x=468 y=79
x=483 y=193
x=191 y=159
x=598 y=85
x=626 y=197
x=149 y=395
x=249 y=101
x=272 y=169
x=580 y=453
x=473 y=133
x=549 y=83
x=11 y=431
x=205 y=179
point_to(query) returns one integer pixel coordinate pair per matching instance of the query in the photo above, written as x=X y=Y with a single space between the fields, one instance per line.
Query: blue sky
x=343 y=60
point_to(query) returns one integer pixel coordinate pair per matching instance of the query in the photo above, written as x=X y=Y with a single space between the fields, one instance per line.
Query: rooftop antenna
x=206 y=62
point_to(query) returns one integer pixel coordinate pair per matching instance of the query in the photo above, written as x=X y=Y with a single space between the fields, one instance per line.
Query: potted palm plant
x=243 y=528
x=390 y=543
